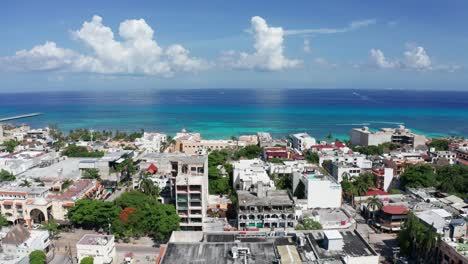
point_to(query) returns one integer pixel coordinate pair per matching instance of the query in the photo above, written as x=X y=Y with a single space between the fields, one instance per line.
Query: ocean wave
x=354 y=124
x=386 y=122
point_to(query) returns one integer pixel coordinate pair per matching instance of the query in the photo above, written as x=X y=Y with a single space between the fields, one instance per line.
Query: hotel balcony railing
x=182 y=199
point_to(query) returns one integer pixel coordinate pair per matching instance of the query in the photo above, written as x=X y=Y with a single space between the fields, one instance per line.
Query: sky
x=112 y=45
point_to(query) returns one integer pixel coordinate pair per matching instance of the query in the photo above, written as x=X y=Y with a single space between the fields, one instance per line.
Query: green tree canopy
x=37 y=257
x=141 y=214
x=248 y=152
x=87 y=260
x=309 y=224
x=92 y=174
x=417 y=240
x=75 y=151
x=6 y=176
x=418 y=176
x=92 y=214
x=11 y=145
x=3 y=221
x=439 y=144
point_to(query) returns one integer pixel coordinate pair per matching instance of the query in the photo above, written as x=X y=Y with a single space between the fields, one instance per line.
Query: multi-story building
x=401 y=136
x=302 y=141
x=150 y=142
x=248 y=173
x=392 y=217
x=19 y=242
x=35 y=205
x=202 y=146
x=266 y=140
x=100 y=247
x=19 y=162
x=357 y=159
x=382 y=177
x=265 y=209
x=443 y=156
x=320 y=191
x=342 y=169
x=189 y=177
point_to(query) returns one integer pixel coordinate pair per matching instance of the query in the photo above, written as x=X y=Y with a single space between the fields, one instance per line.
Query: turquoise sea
x=221 y=113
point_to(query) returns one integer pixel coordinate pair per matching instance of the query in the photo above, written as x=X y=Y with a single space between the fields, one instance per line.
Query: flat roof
x=64 y=169
x=354 y=245
x=92 y=239
x=332 y=234
x=273 y=197
x=219 y=253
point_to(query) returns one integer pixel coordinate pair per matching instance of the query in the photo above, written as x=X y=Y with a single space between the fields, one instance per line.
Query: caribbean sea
x=222 y=113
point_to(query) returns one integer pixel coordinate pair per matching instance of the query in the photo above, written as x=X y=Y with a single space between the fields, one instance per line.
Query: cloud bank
x=136 y=53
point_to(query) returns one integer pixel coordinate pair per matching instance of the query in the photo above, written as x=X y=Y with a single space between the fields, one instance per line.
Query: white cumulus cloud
x=136 y=53
x=379 y=60
x=417 y=58
x=414 y=58
x=269 y=50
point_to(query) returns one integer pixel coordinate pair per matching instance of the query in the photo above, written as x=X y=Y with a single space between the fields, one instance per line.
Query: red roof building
x=276 y=152
x=395 y=209
x=152 y=168
x=375 y=192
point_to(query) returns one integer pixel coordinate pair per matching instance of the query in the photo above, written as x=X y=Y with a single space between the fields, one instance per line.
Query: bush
x=37 y=257
x=87 y=260
x=75 y=151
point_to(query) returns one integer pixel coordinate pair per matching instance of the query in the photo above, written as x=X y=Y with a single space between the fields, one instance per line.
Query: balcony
x=182 y=199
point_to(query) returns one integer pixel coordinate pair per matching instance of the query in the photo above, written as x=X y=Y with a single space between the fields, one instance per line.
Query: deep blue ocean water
x=221 y=113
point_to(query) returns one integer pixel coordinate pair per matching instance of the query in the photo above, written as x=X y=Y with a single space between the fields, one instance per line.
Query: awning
x=8 y=203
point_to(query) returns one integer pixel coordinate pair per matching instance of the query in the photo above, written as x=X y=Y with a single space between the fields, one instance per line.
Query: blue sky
x=53 y=45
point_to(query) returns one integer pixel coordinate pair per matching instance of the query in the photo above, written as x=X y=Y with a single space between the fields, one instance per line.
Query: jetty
x=19 y=117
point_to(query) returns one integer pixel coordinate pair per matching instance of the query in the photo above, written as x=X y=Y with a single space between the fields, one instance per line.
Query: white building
x=19 y=241
x=302 y=141
x=401 y=135
x=150 y=142
x=357 y=159
x=100 y=247
x=339 y=169
x=248 y=173
x=449 y=156
x=320 y=190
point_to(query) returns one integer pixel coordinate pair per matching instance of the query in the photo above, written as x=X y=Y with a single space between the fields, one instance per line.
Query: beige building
x=188 y=176
x=34 y=205
x=401 y=136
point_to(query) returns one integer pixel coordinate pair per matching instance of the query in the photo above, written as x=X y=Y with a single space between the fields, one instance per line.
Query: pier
x=19 y=117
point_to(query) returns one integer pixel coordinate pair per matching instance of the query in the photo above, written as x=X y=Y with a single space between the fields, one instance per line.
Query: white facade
x=151 y=142
x=100 y=247
x=356 y=159
x=450 y=156
x=302 y=141
x=248 y=173
x=339 y=169
x=321 y=191
x=19 y=241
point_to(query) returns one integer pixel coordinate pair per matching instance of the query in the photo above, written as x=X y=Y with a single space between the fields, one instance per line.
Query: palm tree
x=147 y=186
x=25 y=183
x=374 y=203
